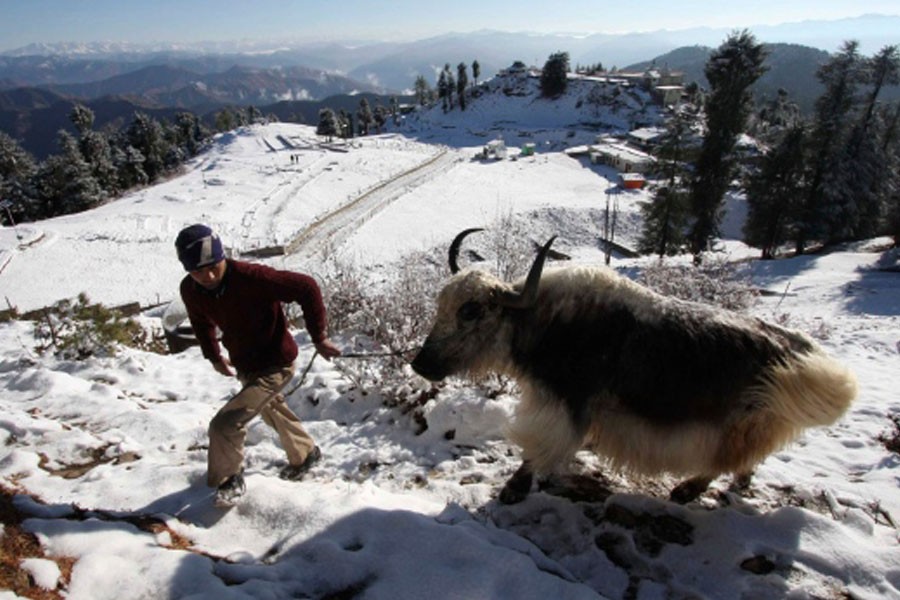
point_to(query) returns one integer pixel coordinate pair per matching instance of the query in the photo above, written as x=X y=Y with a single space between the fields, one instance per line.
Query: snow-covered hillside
x=510 y=106
x=105 y=458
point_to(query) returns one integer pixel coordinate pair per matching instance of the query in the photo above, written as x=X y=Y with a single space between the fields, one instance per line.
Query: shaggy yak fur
x=653 y=383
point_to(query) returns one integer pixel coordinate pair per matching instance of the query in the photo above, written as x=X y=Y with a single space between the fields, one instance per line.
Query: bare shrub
x=508 y=247
x=715 y=282
x=386 y=321
x=382 y=324
x=891 y=439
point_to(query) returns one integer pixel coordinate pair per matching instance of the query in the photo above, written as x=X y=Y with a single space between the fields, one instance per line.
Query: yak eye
x=470 y=311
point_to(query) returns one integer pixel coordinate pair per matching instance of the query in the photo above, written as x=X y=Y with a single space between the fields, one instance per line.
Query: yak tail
x=809 y=390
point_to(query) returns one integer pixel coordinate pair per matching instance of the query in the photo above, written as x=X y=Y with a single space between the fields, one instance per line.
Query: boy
x=245 y=302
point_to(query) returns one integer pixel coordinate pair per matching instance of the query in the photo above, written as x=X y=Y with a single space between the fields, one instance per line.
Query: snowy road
x=335 y=228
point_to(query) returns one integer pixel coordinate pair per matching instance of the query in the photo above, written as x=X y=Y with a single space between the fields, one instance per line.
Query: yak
x=653 y=383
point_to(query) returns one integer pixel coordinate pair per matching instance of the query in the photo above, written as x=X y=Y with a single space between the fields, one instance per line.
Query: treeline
x=449 y=90
x=835 y=177
x=344 y=124
x=93 y=166
x=831 y=178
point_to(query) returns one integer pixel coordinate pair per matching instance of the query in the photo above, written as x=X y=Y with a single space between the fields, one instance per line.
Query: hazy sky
x=26 y=21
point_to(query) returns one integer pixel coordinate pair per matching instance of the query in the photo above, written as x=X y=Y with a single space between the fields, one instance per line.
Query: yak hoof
x=742 y=481
x=518 y=486
x=689 y=490
x=512 y=495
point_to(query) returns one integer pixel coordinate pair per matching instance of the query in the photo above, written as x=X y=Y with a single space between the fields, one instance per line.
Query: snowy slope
x=99 y=450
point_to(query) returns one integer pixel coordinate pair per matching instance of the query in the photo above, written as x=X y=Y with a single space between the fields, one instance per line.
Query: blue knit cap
x=198 y=247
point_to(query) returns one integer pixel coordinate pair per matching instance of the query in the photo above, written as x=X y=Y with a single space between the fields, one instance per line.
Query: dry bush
x=891 y=439
x=715 y=282
x=388 y=319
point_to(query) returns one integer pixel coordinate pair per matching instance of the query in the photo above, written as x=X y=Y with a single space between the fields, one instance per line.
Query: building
x=621 y=156
x=646 y=138
x=665 y=87
x=632 y=181
x=494 y=149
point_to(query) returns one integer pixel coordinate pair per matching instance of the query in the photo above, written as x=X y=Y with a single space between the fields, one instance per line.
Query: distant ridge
x=393 y=66
x=791 y=67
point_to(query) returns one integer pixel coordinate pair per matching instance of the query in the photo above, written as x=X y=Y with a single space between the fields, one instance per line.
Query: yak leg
x=741 y=481
x=690 y=489
x=518 y=486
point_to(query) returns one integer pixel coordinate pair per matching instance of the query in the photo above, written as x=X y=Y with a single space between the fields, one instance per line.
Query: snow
x=45 y=572
x=389 y=513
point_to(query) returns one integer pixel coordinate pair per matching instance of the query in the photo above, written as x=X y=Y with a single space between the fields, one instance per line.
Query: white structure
x=624 y=158
x=646 y=137
x=496 y=149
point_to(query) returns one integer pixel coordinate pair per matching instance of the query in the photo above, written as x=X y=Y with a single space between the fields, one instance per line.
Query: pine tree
x=395 y=110
x=442 y=90
x=254 y=115
x=881 y=70
x=379 y=117
x=364 y=117
x=462 y=80
x=773 y=194
x=328 y=124
x=130 y=166
x=665 y=215
x=554 y=77
x=870 y=173
x=664 y=220
x=190 y=132
x=730 y=70
x=225 y=120
x=823 y=209
x=65 y=182
x=145 y=134
x=891 y=149
x=17 y=167
x=346 y=128
x=15 y=162
x=451 y=85
x=775 y=118
x=97 y=151
x=82 y=117
x=423 y=92
x=175 y=153
x=476 y=72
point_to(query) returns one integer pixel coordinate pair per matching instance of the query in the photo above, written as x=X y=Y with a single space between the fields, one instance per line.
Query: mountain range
x=40 y=83
x=393 y=66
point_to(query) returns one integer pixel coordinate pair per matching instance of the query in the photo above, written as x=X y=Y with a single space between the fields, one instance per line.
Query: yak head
x=470 y=330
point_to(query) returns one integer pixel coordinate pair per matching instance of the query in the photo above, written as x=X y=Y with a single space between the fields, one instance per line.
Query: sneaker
x=296 y=472
x=231 y=491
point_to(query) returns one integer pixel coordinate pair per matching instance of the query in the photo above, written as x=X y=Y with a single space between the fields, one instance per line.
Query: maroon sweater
x=247 y=308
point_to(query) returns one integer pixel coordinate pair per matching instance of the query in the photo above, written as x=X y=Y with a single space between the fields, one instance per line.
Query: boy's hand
x=327 y=349
x=223 y=366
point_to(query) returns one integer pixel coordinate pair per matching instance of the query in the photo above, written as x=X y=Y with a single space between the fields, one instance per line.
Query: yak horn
x=528 y=295
x=454 y=247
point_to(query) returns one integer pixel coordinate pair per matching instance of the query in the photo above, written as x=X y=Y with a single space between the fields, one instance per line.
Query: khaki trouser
x=261 y=395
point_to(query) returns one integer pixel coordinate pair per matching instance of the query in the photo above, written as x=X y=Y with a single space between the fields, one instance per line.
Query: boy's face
x=209 y=276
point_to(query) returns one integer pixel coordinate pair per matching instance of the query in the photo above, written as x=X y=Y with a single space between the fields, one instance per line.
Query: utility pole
x=6 y=205
x=610 y=216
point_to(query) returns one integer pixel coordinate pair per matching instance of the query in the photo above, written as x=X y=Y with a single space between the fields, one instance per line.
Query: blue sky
x=26 y=21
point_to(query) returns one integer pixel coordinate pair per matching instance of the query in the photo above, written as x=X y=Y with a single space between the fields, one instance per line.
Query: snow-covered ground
x=389 y=512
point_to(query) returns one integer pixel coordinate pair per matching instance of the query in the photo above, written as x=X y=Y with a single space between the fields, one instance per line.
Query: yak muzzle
x=426 y=365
